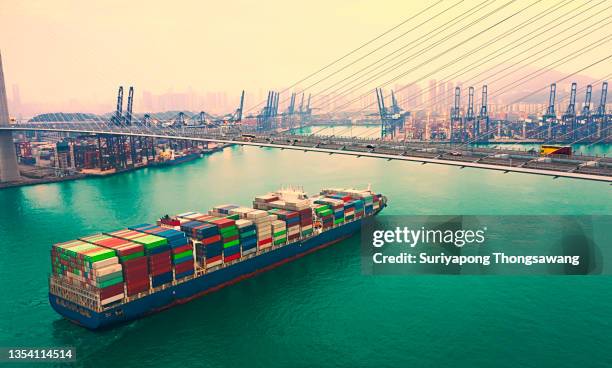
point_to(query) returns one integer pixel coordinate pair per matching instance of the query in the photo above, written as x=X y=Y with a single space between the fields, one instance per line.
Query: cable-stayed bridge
x=577 y=167
x=497 y=47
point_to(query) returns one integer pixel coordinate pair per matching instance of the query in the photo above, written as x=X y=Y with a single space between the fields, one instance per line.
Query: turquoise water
x=319 y=310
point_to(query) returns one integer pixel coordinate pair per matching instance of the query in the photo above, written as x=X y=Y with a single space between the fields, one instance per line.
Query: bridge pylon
x=9 y=171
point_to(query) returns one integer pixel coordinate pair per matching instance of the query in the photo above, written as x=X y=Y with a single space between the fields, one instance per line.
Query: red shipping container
x=159 y=260
x=264 y=241
x=183 y=267
x=232 y=257
x=136 y=268
x=160 y=271
x=159 y=265
x=139 y=284
x=135 y=262
x=137 y=289
x=136 y=275
x=211 y=239
x=223 y=222
x=160 y=257
x=112 y=290
x=231 y=238
x=213 y=259
x=182 y=248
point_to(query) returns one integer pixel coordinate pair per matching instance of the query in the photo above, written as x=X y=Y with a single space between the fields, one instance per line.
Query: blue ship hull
x=179 y=160
x=188 y=290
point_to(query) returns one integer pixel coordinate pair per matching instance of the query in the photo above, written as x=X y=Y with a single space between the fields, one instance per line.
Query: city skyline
x=195 y=62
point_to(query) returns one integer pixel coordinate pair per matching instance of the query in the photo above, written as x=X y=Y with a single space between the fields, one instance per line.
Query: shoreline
x=26 y=182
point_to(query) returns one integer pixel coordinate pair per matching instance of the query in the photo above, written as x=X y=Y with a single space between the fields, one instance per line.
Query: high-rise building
x=430 y=104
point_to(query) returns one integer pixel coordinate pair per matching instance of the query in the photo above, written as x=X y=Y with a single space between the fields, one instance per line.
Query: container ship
x=105 y=279
x=170 y=158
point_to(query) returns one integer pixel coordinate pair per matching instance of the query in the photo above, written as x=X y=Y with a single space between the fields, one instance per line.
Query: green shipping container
x=151 y=241
x=233 y=217
x=279 y=233
x=186 y=253
x=338 y=221
x=110 y=276
x=131 y=256
x=248 y=233
x=229 y=233
x=280 y=241
x=110 y=282
x=231 y=244
x=325 y=213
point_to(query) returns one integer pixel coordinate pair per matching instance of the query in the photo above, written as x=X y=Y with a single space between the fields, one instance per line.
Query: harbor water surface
x=319 y=310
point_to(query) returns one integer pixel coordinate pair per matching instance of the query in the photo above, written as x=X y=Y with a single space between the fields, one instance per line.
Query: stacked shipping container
x=207 y=241
x=279 y=232
x=130 y=261
x=89 y=267
x=132 y=258
x=181 y=249
x=248 y=236
x=263 y=228
x=157 y=251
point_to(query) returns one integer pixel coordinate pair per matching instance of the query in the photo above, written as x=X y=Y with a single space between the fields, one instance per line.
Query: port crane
x=457 y=127
x=483 y=116
x=549 y=119
x=600 y=118
x=470 y=119
x=569 y=117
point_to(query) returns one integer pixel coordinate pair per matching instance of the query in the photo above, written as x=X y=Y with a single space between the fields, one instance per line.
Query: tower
x=9 y=171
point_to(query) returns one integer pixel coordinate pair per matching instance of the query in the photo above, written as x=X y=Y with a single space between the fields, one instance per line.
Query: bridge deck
x=462 y=156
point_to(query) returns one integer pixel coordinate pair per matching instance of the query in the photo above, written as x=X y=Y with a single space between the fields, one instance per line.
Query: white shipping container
x=105 y=262
x=249 y=251
x=107 y=270
x=264 y=234
x=241 y=211
x=256 y=214
x=112 y=299
x=307 y=227
x=213 y=264
x=279 y=225
x=243 y=223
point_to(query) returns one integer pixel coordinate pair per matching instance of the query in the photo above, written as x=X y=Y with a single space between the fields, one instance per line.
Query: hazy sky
x=61 y=50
